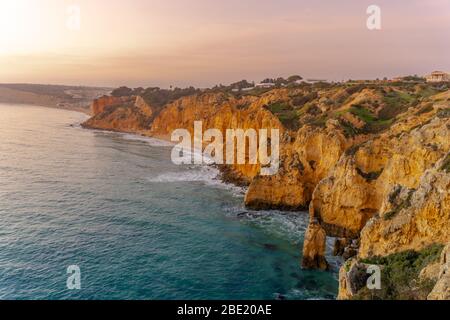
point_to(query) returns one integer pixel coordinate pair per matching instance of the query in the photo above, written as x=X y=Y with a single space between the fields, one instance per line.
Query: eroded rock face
x=99 y=105
x=218 y=111
x=314 y=248
x=362 y=180
x=352 y=278
x=441 y=290
x=411 y=218
x=124 y=114
x=355 y=190
x=382 y=191
x=304 y=162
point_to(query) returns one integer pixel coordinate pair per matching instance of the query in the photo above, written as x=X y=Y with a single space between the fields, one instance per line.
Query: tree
x=241 y=85
x=122 y=92
x=294 y=78
x=268 y=80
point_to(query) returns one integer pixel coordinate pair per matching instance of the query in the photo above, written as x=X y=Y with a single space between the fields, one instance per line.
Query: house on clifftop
x=438 y=76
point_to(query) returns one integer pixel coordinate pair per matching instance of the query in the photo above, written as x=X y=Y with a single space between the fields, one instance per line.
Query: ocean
x=136 y=225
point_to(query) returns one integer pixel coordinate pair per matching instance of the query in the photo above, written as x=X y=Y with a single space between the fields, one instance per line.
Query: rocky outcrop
x=222 y=112
x=314 y=248
x=441 y=290
x=411 y=218
x=124 y=114
x=352 y=278
x=410 y=275
x=101 y=104
x=357 y=188
x=365 y=162
x=305 y=160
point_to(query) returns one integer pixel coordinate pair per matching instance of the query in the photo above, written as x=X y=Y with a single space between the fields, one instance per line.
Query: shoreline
x=78 y=110
x=225 y=174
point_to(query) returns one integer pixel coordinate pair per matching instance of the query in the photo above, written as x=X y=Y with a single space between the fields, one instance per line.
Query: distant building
x=398 y=79
x=242 y=89
x=265 y=85
x=315 y=80
x=438 y=76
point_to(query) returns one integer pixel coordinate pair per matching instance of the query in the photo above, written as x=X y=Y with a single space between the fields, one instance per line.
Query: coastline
x=226 y=175
x=122 y=210
x=85 y=111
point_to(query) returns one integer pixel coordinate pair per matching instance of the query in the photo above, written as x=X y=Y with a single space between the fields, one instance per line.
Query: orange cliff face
x=217 y=111
x=332 y=163
x=127 y=114
x=99 y=105
x=306 y=158
x=356 y=189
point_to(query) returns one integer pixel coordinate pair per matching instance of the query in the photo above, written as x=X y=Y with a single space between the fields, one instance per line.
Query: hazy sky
x=205 y=42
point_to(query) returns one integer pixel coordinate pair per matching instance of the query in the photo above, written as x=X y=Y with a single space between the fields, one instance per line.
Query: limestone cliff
x=364 y=177
x=410 y=221
x=222 y=112
x=306 y=158
x=363 y=158
x=441 y=290
x=125 y=114
x=411 y=218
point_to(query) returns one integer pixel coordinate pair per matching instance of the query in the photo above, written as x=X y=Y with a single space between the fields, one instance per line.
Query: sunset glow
x=206 y=42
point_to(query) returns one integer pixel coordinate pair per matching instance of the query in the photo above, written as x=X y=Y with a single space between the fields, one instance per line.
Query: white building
x=438 y=76
x=265 y=85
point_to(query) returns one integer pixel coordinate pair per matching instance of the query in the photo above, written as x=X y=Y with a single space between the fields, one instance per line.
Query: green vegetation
x=400 y=275
x=122 y=92
x=319 y=122
x=426 y=91
x=155 y=96
x=349 y=129
x=396 y=102
x=354 y=89
x=285 y=113
x=279 y=107
x=362 y=113
x=415 y=78
x=158 y=98
x=403 y=205
x=301 y=100
x=314 y=104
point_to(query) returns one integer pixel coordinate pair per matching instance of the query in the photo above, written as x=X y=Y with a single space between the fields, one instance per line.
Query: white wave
x=207 y=174
x=190 y=175
x=280 y=223
x=150 y=141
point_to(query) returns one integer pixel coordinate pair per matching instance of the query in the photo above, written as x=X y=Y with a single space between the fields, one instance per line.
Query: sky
x=207 y=42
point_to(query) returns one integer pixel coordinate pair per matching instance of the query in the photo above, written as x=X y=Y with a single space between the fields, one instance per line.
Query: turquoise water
x=138 y=226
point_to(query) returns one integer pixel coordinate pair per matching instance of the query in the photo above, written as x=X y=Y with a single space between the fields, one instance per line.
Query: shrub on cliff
x=446 y=165
x=400 y=275
x=158 y=98
x=285 y=113
x=303 y=99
